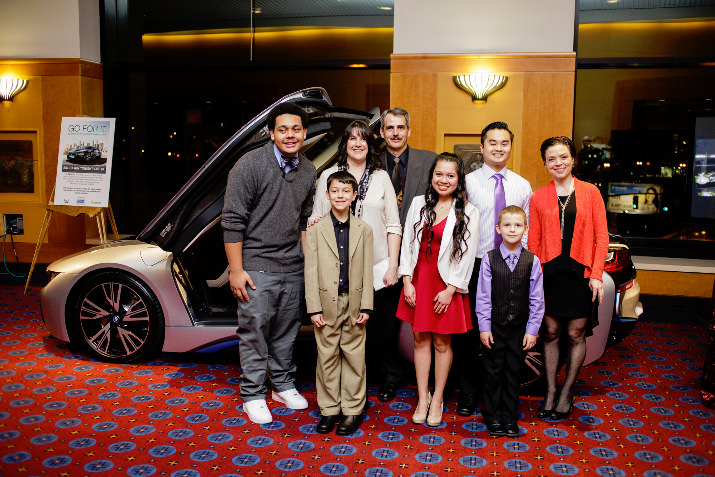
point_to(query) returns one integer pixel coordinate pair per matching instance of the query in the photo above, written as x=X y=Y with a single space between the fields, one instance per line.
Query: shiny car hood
x=119 y=252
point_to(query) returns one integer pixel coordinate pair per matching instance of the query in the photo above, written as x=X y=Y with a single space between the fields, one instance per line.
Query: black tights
x=576 y=328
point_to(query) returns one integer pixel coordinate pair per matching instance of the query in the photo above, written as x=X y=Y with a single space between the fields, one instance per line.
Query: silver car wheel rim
x=114 y=319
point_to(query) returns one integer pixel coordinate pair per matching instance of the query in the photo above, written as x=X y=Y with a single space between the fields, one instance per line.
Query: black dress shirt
x=342 y=236
x=404 y=158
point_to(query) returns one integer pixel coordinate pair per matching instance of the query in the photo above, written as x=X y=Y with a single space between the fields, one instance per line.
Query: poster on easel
x=84 y=162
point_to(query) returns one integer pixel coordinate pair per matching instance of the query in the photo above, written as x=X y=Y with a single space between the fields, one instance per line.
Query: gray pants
x=267 y=327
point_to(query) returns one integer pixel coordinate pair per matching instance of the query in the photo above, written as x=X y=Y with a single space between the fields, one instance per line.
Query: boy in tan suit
x=338 y=293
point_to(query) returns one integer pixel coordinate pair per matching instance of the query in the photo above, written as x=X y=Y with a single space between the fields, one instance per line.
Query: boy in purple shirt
x=510 y=307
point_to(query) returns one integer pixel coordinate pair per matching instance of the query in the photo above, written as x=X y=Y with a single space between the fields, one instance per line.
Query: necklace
x=563 y=210
x=442 y=205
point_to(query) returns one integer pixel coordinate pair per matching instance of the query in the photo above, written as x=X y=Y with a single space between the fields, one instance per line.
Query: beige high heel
x=419 y=418
x=434 y=421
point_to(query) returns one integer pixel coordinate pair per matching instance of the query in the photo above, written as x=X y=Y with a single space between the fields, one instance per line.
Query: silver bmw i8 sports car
x=167 y=289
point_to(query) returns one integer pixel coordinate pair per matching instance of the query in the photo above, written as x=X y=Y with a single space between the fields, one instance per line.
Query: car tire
x=116 y=318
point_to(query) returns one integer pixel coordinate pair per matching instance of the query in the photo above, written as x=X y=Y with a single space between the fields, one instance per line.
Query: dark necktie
x=499 y=204
x=396 y=178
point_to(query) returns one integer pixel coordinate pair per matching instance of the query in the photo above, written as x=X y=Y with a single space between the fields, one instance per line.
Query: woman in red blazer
x=569 y=234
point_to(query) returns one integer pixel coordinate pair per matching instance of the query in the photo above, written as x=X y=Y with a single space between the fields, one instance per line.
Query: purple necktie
x=499 y=204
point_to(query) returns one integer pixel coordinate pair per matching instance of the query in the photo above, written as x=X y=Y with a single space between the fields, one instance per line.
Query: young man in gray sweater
x=269 y=197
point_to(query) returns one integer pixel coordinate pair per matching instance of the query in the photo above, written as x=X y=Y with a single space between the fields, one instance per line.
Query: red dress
x=428 y=282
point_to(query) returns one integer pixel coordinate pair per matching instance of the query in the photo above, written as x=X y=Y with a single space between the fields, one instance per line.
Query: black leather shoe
x=467 y=404
x=511 y=429
x=495 y=428
x=387 y=391
x=327 y=423
x=349 y=425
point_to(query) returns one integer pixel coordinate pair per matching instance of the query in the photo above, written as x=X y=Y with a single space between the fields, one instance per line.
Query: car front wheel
x=117 y=318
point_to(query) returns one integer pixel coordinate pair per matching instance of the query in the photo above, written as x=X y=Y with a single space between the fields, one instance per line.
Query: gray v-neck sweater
x=266 y=209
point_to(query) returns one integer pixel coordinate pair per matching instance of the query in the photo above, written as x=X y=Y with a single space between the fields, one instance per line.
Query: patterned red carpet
x=638 y=413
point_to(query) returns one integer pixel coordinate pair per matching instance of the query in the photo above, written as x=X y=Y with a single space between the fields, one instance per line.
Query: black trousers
x=501 y=372
x=465 y=346
x=385 y=363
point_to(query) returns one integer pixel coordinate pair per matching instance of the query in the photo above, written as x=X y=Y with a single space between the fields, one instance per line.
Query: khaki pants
x=340 y=374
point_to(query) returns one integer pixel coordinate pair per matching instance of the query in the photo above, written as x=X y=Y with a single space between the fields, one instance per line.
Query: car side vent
x=313 y=93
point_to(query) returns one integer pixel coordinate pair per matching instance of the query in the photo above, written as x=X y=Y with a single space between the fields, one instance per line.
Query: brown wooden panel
x=548 y=111
x=460 y=64
x=52 y=67
x=57 y=87
x=61 y=97
x=416 y=93
x=537 y=102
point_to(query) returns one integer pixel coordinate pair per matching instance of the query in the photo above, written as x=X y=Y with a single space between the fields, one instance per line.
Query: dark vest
x=510 y=290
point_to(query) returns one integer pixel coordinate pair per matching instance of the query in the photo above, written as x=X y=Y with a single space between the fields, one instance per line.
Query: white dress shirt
x=480 y=191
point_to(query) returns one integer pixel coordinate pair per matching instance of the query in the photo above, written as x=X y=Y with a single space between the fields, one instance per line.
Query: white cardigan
x=379 y=209
x=456 y=274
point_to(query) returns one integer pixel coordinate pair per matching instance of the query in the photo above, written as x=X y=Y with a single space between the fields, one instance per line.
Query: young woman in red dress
x=436 y=261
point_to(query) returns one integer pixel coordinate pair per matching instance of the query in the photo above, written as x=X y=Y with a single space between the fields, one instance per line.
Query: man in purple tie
x=490 y=189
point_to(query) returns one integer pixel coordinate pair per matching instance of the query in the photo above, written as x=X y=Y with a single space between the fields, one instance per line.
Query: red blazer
x=589 y=245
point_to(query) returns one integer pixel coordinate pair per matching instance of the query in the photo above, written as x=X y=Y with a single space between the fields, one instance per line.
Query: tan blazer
x=322 y=269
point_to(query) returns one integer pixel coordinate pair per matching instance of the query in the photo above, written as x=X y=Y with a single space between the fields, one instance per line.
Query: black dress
x=566 y=291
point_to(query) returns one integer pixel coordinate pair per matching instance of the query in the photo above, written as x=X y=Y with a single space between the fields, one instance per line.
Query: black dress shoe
x=327 y=423
x=387 y=391
x=349 y=425
x=467 y=404
x=511 y=429
x=495 y=428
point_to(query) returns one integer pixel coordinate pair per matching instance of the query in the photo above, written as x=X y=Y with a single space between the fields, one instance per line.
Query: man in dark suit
x=408 y=168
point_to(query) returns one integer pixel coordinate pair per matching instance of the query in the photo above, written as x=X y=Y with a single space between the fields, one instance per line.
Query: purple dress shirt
x=483 y=304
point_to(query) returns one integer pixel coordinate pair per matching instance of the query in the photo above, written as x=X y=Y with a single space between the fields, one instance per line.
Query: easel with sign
x=81 y=139
x=74 y=211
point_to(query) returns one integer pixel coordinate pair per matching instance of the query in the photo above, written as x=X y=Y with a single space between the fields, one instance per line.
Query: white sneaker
x=291 y=398
x=257 y=411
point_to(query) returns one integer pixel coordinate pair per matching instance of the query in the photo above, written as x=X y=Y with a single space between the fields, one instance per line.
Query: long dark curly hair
x=461 y=234
x=361 y=128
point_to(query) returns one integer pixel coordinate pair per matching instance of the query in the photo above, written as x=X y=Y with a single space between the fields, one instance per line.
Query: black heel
x=563 y=415
x=543 y=413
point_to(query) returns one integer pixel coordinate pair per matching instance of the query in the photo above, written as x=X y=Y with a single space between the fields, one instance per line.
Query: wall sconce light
x=480 y=85
x=10 y=86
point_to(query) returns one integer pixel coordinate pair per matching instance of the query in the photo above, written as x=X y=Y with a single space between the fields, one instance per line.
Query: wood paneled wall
x=537 y=102
x=56 y=88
